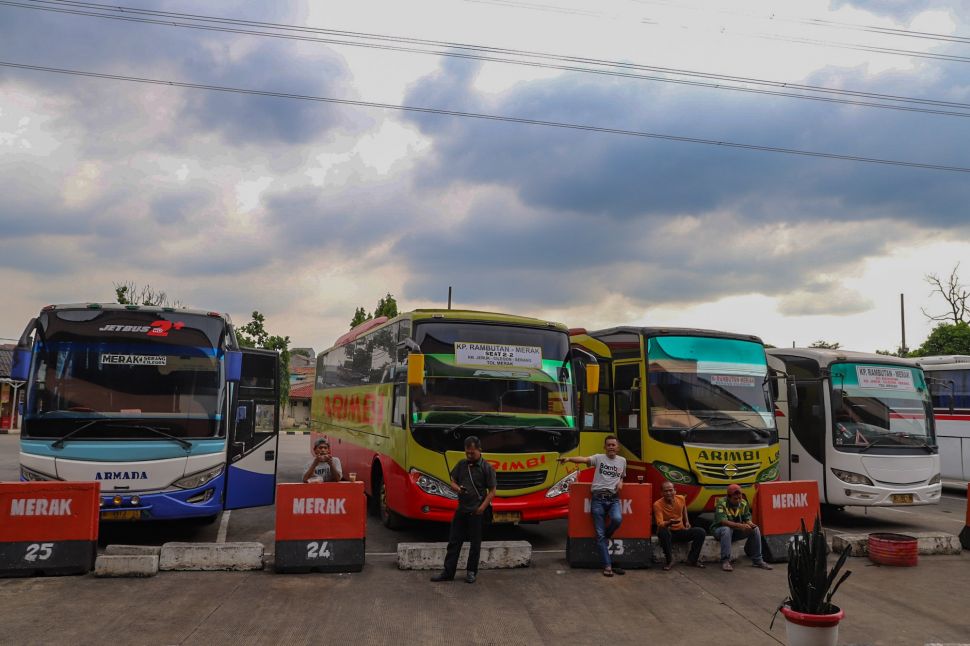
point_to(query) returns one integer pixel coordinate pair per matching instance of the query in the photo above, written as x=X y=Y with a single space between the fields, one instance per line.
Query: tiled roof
x=6 y=360
x=302 y=391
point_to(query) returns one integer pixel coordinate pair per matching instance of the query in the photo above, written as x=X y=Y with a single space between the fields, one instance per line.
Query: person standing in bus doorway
x=732 y=521
x=670 y=512
x=324 y=467
x=609 y=469
x=473 y=479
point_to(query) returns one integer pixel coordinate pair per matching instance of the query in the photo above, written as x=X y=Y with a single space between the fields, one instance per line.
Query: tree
x=826 y=345
x=360 y=315
x=898 y=352
x=946 y=338
x=386 y=306
x=254 y=335
x=128 y=293
x=954 y=293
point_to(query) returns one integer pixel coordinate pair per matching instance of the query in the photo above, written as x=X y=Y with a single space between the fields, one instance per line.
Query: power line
x=784 y=89
x=491 y=117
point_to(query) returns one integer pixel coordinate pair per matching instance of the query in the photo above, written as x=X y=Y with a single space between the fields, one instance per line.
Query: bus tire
x=389 y=518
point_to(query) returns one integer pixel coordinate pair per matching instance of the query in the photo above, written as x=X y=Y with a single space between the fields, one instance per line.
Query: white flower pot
x=812 y=630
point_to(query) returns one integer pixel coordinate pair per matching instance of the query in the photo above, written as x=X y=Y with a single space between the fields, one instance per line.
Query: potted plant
x=810 y=615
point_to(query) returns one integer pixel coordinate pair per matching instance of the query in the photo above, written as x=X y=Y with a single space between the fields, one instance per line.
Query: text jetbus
x=859 y=424
x=949 y=378
x=689 y=406
x=159 y=405
x=398 y=397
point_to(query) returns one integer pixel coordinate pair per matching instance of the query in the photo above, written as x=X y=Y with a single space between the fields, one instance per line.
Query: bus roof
x=670 y=331
x=826 y=356
x=117 y=307
x=940 y=362
x=444 y=315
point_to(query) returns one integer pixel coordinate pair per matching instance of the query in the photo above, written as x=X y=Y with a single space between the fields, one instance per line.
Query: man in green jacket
x=732 y=521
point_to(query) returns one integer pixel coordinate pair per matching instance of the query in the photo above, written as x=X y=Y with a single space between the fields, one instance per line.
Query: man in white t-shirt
x=325 y=467
x=608 y=474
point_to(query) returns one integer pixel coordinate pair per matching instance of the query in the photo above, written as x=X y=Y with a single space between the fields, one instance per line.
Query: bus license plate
x=121 y=514
x=506 y=516
x=902 y=499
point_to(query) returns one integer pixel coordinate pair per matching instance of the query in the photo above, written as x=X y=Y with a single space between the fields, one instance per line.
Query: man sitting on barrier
x=732 y=521
x=670 y=513
x=475 y=482
x=324 y=467
x=608 y=473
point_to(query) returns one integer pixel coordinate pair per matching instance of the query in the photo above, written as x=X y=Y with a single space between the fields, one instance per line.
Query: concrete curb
x=211 y=556
x=710 y=553
x=132 y=550
x=108 y=565
x=495 y=555
x=927 y=543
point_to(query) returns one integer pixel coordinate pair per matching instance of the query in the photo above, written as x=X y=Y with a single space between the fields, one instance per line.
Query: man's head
x=473 y=448
x=668 y=491
x=611 y=445
x=734 y=495
x=321 y=448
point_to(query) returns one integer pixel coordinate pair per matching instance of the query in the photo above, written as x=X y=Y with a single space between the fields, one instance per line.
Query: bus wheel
x=389 y=518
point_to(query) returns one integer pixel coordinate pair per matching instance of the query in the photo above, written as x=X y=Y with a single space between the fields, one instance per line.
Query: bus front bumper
x=885 y=495
x=201 y=502
x=528 y=508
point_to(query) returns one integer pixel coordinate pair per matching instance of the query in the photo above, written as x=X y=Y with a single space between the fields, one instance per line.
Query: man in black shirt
x=473 y=479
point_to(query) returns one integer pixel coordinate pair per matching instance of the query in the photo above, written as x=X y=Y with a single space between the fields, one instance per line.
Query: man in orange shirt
x=670 y=512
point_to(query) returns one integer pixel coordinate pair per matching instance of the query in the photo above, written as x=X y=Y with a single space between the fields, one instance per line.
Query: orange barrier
x=630 y=546
x=48 y=527
x=779 y=511
x=320 y=527
x=965 y=532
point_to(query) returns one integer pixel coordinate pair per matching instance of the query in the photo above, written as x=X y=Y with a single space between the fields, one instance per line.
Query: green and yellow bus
x=397 y=398
x=689 y=406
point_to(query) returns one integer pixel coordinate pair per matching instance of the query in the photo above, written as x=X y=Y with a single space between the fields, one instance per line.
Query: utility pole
x=902 y=322
x=449 y=296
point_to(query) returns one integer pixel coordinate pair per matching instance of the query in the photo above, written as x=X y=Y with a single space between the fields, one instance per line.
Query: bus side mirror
x=233 y=360
x=20 y=369
x=592 y=378
x=415 y=369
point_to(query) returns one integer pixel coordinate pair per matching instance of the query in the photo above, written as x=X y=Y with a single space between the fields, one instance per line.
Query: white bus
x=859 y=424
x=949 y=378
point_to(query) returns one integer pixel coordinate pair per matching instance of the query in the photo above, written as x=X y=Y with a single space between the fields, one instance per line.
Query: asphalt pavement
x=547 y=603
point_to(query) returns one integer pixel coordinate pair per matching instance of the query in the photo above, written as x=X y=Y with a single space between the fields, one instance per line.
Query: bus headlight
x=431 y=485
x=934 y=480
x=852 y=478
x=199 y=478
x=34 y=476
x=769 y=474
x=562 y=486
x=672 y=473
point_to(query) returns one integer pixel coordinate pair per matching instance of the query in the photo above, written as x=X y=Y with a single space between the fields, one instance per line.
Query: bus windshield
x=509 y=385
x=100 y=375
x=882 y=406
x=708 y=389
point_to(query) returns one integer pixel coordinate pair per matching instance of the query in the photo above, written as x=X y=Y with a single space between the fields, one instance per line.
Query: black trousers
x=465 y=526
x=695 y=535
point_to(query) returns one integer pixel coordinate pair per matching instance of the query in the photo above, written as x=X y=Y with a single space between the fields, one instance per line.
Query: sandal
x=668 y=566
x=697 y=564
x=607 y=572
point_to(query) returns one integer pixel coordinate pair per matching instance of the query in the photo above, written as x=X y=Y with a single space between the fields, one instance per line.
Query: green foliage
x=254 y=335
x=826 y=345
x=128 y=293
x=386 y=306
x=811 y=584
x=946 y=338
x=898 y=352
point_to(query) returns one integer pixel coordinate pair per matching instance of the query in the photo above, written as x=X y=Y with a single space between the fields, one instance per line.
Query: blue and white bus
x=160 y=405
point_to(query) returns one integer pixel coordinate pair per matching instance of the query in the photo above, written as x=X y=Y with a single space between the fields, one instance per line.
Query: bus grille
x=520 y=479
x=716 y=470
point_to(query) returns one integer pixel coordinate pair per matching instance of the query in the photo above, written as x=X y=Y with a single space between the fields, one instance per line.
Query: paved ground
x=546 y=603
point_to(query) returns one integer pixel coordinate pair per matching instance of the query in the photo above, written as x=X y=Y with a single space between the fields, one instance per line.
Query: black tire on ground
x=389 y=518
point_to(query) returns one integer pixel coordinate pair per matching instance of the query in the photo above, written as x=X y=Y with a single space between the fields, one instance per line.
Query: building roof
x=6 y=360
x=302 y=390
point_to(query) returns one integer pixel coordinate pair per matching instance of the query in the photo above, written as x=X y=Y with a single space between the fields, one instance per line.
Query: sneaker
x=442 y=577
x=762 y=565
x=470 y=577
x=726 y=566
x=618 y=570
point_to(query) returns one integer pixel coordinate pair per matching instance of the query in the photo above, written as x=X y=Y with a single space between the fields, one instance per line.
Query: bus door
x=629 y=413
x=254 y=433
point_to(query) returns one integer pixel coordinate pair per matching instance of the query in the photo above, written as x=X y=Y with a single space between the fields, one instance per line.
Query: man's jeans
x=695 y=535
x=601 y=508
x=752 y=547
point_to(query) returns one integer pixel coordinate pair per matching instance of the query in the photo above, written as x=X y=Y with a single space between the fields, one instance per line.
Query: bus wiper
x=469 y=421
x=923 y=443
x=183 y=443
x=551 y=431
x=879 y=441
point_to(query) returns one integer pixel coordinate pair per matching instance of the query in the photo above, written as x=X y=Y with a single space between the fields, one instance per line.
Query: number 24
x=318 y=550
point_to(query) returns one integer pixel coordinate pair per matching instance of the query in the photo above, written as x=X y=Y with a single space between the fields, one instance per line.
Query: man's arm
x=491 y=481
x=684 y=519
x=576 y=459
x=309 y=471
x=335 y=469
x=454 y=478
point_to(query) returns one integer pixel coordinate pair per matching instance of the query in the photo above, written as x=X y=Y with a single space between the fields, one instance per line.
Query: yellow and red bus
x=397 y=398
x=689 y=406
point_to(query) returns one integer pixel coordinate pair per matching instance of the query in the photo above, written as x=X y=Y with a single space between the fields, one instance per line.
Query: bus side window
x=808 y=420
x=400 y=409
x=628 y=407
x=597 y=412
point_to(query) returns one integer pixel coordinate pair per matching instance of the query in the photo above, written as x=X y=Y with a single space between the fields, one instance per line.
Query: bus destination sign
x=497 y=354
x=885 y=378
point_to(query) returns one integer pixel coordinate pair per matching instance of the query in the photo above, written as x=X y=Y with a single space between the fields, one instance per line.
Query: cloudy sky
x=304 y=209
